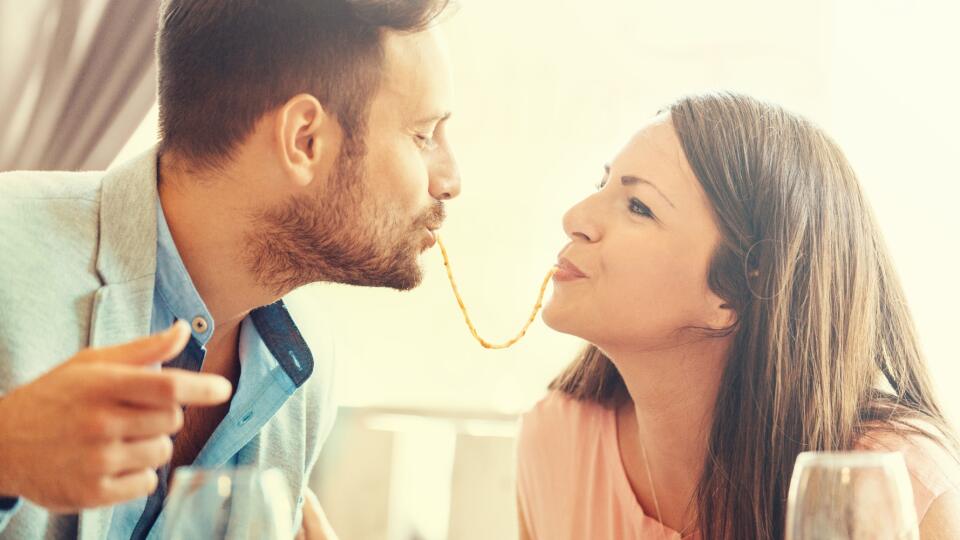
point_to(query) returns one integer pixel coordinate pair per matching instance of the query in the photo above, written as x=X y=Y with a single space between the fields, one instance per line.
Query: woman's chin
x=559 y=319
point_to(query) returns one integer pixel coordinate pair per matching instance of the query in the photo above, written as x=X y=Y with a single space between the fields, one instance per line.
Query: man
x=301 y=141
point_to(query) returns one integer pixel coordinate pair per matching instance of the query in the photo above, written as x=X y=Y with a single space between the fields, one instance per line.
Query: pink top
x=572 y=483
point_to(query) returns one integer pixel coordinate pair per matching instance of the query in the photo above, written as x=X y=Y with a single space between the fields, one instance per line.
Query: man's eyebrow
x=632 y=180
x=437 y=118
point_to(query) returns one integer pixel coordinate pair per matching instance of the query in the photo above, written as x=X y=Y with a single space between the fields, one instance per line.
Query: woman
x=741 y=309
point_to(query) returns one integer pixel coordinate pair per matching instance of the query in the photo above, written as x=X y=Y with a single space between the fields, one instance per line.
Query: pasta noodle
x=466 y=316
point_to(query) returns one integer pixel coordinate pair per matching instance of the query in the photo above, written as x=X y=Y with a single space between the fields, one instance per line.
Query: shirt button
x=199 y=325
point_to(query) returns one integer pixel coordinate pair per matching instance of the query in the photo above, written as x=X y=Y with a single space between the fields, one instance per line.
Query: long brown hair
x=824 y=347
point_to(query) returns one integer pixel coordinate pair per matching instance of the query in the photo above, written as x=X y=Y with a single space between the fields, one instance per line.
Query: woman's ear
x=722 y=316
x=299 y=129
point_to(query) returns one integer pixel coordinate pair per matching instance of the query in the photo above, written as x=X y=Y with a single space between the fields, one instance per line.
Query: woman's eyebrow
x=632 y=180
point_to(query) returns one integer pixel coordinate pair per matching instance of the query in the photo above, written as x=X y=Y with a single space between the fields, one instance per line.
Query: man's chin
x=404 y=277
x=411 y=278
x=408 y=282
x=400 y=270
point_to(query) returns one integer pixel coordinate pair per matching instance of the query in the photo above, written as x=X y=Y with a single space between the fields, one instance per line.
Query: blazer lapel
x=126 y=262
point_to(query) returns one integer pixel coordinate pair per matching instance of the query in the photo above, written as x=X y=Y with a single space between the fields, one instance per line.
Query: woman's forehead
x=655 y=154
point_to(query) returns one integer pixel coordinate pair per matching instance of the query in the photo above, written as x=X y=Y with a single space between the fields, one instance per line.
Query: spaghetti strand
x=466 y=316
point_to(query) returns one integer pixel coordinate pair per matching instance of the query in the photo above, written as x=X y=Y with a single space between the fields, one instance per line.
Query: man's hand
x=92 y=431
x=315 y=525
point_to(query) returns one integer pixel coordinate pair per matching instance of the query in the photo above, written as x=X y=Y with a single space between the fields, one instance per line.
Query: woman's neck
x=673 y=392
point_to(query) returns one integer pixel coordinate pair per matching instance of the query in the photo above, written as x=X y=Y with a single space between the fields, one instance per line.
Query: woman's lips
x=567 y=271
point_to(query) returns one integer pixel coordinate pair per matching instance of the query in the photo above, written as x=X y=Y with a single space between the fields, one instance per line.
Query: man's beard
x=338 y=237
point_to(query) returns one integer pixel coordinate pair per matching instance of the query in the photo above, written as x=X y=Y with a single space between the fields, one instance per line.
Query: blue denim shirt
x=274 y=362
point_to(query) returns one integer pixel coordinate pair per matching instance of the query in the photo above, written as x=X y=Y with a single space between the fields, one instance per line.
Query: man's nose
x=445 y=176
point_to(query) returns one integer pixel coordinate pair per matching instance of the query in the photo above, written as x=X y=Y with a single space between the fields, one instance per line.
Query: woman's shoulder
x=934 y=468
x=561 y=452
x=560 y=430
x=558 y=415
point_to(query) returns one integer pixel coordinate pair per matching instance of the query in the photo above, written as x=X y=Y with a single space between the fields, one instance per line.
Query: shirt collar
x=275 y=328
x=279 y=334
x=175 y=287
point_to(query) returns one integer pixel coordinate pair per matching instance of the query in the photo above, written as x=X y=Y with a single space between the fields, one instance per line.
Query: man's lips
x=567 y=271
x=432 y=234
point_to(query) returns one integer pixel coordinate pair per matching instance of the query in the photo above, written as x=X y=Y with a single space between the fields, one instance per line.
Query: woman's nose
x=579 y=223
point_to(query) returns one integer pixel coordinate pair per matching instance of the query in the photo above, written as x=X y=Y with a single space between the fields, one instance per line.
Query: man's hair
x=223 y=64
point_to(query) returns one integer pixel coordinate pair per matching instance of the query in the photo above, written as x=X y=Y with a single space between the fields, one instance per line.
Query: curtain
x=76 y=78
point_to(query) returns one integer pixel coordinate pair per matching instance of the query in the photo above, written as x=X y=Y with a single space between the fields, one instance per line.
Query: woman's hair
x=824 y=349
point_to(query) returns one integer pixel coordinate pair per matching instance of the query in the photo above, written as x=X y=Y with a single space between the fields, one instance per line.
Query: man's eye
x=602 y=183
x=425 y=142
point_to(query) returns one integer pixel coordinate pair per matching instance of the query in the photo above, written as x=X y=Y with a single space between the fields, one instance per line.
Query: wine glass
x=236 y=503
x=851 y=496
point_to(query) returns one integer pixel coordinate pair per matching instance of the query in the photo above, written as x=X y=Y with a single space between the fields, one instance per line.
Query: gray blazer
x=77 y=265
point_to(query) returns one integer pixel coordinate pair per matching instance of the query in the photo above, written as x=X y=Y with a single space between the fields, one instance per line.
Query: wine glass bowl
x=851 y=496
x=235 y=504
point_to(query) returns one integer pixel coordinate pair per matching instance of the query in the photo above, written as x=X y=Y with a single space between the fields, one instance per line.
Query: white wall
x=549 y=90
x=895 y=88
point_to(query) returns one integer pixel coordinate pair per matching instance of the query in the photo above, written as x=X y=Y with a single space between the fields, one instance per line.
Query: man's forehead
x=404 y=50
x=416 y=72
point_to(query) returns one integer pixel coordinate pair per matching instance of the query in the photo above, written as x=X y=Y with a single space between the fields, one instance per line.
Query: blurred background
x=547 y=92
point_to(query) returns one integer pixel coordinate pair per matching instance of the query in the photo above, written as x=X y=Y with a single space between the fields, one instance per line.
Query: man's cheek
x=411 y=202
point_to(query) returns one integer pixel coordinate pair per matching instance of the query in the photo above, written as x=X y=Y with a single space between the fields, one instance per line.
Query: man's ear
x=299 y=126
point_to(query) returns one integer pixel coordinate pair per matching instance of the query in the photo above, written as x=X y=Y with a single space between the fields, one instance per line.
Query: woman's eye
x=637 y=207
x=601 y=184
